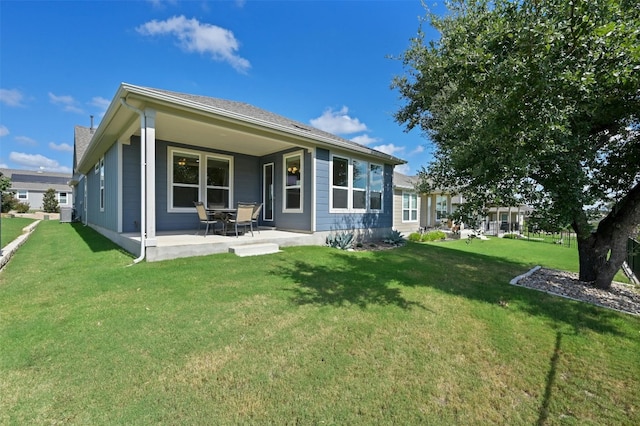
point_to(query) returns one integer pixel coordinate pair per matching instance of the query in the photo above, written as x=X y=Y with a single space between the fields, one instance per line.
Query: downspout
x=84 y=202
x=143 y=180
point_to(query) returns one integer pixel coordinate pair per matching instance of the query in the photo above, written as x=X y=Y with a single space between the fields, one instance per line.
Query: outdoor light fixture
x=182 y=162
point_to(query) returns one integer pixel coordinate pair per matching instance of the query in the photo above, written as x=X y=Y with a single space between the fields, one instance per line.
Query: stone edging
x=13 y=246
x=525 y=275
x=591 y=299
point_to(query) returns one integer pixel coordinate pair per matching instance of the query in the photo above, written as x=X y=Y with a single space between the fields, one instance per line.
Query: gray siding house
x=30 y=186
x=155 y=152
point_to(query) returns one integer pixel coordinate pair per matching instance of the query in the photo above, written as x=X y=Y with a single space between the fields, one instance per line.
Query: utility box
x=66 y=214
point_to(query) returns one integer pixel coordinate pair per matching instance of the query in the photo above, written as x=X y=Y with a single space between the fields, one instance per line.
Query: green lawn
x=12 y=228
x=428 y=333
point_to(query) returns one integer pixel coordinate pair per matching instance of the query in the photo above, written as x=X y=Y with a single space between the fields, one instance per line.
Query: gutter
x=143 y=180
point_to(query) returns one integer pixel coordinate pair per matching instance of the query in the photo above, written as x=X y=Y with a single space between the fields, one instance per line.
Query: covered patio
x=178 y=244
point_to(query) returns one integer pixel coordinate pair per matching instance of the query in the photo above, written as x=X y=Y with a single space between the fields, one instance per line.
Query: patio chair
x=243 y=217
x=255 y=216
x=203 y=217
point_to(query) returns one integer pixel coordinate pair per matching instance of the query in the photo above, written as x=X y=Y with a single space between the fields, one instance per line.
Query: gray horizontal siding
x=326 y=221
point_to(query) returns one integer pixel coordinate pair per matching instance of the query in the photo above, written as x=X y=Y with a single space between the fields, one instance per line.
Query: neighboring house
x=155 y=152
x=500 y=220
x=414 y=211
x=30 y=186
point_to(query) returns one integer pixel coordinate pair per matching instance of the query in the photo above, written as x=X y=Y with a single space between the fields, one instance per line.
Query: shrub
x=343 y=240
x=433 y=236
x=49 y=202
x=8 y=201
x=394 y=238
x=21 y=207
x=415 y=236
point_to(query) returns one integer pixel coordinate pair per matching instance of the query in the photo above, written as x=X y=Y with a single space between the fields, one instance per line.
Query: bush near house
x=49 y=202
x=433 y=236
x=8 y=201
x=21 y=207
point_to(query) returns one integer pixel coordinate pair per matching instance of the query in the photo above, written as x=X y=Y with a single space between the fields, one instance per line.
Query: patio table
x=223 y=214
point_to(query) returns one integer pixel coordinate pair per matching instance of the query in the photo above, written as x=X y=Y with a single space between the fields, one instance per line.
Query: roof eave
x=91 y=153
x=300 y=133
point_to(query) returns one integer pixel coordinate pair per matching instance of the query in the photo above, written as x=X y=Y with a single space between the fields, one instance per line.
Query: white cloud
x=338 y=122
x=194 y=36
x=365 y=139
x=3 y=130
x=402 y=168
x=11 y=97
x=67 y=102
x=37 y=161
x=418 y=150
x=390 y=149
x=24 y=140
x=64 y=147
x=100 y=102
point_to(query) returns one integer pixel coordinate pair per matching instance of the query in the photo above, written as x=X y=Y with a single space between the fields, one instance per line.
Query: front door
x=267 y=192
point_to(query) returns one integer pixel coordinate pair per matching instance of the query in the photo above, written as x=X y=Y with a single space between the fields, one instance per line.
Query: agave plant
x=342 y=240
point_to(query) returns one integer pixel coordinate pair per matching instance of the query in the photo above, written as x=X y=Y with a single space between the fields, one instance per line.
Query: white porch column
x=150 y=134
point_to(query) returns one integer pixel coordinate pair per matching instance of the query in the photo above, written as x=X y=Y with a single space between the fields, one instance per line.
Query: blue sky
x=326 y=63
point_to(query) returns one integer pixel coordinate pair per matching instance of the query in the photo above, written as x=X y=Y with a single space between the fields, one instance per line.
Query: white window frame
x=171 y=151
x=66 y=198
x=332 y=186
x=300 y=185
x=19 y=193
x=381 y=209
x=353 y=188
x=350 y=186
x=101 y=193
x=443 y=213
x=202 y=176
x=203 y=179
x=412 y=196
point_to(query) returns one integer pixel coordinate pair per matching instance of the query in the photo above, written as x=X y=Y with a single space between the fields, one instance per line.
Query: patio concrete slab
x=178 y=244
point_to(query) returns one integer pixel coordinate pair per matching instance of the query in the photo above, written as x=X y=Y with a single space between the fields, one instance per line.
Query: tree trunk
x=602 y=252
x=600 y=258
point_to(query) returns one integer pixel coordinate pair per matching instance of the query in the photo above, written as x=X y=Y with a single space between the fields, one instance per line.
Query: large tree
x=537 y=102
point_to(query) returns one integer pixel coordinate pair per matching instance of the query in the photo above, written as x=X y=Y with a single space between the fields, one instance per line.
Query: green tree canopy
x=536 y=102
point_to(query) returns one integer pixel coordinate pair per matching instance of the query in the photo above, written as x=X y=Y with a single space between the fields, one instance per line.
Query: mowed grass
x=427 y=333
x=11 y=228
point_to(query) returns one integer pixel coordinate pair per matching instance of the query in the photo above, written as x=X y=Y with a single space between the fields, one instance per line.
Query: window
x=340 y=183
x=195 y=176
x=359 y=179
x=185 y=179
x=218 y=188
x=355 y=185
x=409 y=207
x=23 y=195
x=441 y=207
x=293 y=183
x=102 y=184
x=62 y=198
x=375 y=187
